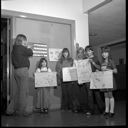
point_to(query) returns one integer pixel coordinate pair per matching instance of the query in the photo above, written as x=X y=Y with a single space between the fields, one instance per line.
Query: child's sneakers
x=88 y=114
x=107 y=115
x=44 y=110
x=111 y=114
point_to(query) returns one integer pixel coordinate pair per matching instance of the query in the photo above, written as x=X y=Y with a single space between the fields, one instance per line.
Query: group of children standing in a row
x=73 y=96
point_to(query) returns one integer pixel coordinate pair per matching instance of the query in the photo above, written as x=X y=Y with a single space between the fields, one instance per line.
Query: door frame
x=9 y=48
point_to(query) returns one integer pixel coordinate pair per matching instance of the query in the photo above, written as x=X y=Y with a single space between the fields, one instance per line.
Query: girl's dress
x=43 y=92
x=110 y=65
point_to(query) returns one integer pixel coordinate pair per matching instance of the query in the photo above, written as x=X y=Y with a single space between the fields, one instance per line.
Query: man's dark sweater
x=20 y=56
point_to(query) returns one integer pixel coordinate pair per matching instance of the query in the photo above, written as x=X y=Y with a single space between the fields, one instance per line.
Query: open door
x=5 y=62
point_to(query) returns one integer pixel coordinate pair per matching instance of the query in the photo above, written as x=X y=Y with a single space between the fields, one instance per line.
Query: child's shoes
x=45 y=110
x=42 y=110
x=111 y=114
x=106 y=114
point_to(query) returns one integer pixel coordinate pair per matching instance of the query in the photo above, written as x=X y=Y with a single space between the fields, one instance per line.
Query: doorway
x=5 y=62
x=56 y=33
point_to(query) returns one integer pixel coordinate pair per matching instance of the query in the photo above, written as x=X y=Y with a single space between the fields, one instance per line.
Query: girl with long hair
x=108 y=64
x=66 y=87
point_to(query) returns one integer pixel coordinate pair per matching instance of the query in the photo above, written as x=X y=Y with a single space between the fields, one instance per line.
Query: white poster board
x=101 y=80
x=45 y=79
x=83 y=71
x=54 y=54
x=69 y=74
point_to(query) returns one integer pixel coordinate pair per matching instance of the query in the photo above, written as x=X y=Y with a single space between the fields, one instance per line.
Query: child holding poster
x=68 y=98
x=81 y=88
x=95 y=65
x=43 y=92
x=108 y=64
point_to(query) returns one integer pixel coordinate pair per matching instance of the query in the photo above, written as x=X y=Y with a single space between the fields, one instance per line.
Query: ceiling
x=107 y=24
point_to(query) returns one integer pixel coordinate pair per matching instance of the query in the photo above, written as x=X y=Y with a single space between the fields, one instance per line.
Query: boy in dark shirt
x=95 y=65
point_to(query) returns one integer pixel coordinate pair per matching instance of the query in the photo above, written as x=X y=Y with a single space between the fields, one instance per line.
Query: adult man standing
x=20 y=61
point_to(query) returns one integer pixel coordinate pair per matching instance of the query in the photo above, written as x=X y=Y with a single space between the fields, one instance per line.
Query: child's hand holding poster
x=101 y=80
x=83 y=71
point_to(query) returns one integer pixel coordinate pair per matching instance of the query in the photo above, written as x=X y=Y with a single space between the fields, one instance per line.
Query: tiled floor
x=59 y=118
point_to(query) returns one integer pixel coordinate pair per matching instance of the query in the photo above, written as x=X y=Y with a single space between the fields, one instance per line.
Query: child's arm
x=37 y=70
x=114 y=67
x=58 y=70
x=95 y=64
x=49 y=70
x=104 y=68
x=114 y=70
x=74 y=63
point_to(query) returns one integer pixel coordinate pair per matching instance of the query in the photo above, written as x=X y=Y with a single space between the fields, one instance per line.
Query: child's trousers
x=98 y=99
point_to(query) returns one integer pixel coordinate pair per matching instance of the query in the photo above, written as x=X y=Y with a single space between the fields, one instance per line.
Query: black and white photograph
x=63 y=63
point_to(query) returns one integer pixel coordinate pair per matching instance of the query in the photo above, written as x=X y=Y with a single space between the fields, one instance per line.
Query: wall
x=116 y=49
x=53 y=33
x=118 y=52
x=67 y=9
